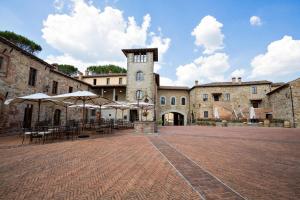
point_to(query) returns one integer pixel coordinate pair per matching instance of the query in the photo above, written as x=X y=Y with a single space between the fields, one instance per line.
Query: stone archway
x=173 y=118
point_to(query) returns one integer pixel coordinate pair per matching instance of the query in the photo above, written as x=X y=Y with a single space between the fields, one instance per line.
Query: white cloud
x=166 y=81
x=204 y=68
x=282 y=58
x=209 y=35
x=255 y=21
x=89 y=35
x=58 y=5
x=238 y=73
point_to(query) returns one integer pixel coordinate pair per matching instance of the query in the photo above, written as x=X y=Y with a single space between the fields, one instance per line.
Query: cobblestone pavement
x=118 y=167
x=259 y=163
x=207 y=185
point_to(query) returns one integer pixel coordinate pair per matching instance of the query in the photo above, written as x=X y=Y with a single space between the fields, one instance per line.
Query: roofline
x=11 y=44
x=67 y=76
x=153 y=50
x=107 y=86
x=232 y=85
x=103 y=75
x=173 y=88
x=279 y=88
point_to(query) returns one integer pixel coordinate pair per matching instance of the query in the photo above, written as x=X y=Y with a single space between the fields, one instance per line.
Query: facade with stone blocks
x=285 y=102
x=22 y=73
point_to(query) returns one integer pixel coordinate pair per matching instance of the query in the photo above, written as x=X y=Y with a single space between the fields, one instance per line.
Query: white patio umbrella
x=119 y=105
x=33 y=98
x=85 y=97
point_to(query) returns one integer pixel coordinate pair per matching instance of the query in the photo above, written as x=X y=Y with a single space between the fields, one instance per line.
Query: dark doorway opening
x=27 y=116
x=216 y=96
x=172 y=119
x=56 y=118
x=133 y=114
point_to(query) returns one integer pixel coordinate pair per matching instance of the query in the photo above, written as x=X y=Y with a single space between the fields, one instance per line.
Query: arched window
x=162 y=100
x=139 y=76
x=139 y=94
x=182 y=100
x=173 y=100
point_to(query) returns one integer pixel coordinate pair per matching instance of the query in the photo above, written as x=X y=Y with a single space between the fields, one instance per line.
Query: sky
x=204 y=40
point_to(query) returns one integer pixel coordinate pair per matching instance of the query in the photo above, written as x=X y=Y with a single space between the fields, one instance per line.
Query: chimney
x=86 y=73
x=55 y=66
x=109 y=72
x=239 y=80
x=80 y=75
x=233 y=80
x=196 y=82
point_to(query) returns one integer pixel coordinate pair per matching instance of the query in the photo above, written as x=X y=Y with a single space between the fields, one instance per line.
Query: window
x=162 y=100
x=139 y=95
x=54 y=87
x=140 y=58
x=254 y=90
x=1 y=61
x=93 y=113
x=70 y=89
x=173 y=100
x=120 y=81
x=139 y=76
x=107 y=81
x=205 y=97
x=216 y=97
x=227 y=97
x=32 y=76
x=116 y=98
x=95 y=81
x=182 y=100
x=205 y=114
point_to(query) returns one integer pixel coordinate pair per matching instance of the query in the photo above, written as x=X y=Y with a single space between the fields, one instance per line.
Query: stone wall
x=14 y=83
x=147 y=85
x=285 y=102
x=167 y=108
x=240 y=96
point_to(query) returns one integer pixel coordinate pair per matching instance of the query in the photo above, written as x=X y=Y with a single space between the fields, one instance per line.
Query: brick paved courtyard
x=257 y=163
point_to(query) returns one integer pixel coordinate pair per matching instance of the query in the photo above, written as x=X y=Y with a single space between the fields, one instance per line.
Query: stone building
x=284 y=102
x=22 y=73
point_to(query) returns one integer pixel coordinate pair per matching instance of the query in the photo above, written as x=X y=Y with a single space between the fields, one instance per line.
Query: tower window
x=139 y=94
x=95 y=81
x=70 y=89
x=120 y=81
x=139 y=76
x=141 y=57
x=107 y=81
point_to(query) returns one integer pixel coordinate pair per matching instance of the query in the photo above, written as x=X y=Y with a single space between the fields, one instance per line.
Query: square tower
x=141 y=83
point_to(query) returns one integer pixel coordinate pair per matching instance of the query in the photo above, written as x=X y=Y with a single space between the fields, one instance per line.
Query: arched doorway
x=56 y=118
x=173 y=119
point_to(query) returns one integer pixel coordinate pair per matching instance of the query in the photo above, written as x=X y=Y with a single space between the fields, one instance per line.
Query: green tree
x=104 y=69
x=67 y=69
x=21 y=41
